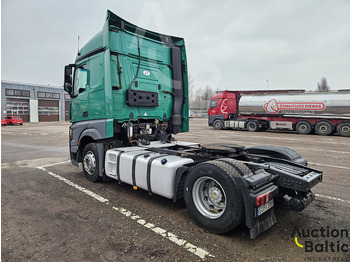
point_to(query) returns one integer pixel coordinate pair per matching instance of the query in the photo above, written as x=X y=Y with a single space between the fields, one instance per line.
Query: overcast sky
x=230 y=44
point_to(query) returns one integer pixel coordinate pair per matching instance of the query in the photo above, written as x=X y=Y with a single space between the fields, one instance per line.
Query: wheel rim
x=302 y=128
x=252 y=126
x=323 y=129
x=90 y=163
x=217 y=124
x=345 y=129
x=209 y=197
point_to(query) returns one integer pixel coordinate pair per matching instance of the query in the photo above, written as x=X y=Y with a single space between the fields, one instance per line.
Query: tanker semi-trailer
x=129 y=96
x=323 y=113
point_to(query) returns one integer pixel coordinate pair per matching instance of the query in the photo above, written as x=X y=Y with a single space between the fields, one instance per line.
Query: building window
x=17 y=108
x=48 y=95
x=15 y=92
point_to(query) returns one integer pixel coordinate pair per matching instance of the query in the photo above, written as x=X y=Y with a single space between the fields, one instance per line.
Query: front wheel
x=213 y=197
x=90 y=163
x=218 y=124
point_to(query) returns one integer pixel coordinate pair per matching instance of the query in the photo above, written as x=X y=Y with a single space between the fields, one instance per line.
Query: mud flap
x=261 y=224
x=101 y=156
x=257 y=223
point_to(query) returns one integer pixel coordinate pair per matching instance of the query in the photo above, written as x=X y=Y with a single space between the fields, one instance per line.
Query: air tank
x=314 y=104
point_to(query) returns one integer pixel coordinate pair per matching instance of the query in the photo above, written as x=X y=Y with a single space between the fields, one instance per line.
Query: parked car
x=14 y=120
x=3 y=121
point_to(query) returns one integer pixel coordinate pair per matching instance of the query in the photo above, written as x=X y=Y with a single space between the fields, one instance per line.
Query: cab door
x=80 y=102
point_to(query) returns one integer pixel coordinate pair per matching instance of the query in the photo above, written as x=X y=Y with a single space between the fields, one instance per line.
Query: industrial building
x=34 y=103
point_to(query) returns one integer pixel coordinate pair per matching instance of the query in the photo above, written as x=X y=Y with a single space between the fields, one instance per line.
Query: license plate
x=262 y=209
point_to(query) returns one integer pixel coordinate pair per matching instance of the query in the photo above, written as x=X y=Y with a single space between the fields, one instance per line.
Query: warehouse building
x=34 y=103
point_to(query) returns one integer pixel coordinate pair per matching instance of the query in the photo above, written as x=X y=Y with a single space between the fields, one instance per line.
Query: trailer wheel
x=303 y=127
x=252 y=126
x=343 y=129
x=90 y=163
x=323 y=128
x=218 y=124
x=213 y=197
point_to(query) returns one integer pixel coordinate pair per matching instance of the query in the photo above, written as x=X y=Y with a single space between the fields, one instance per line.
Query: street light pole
x=267 y=85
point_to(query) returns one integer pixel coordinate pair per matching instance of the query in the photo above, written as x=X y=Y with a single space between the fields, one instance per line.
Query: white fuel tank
x=145 y=169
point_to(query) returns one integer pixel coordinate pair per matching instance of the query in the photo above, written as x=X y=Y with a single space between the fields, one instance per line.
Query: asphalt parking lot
x=49 y=211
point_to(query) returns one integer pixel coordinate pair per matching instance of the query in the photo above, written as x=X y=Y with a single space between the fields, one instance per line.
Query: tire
x=213 y=197
x=11 y=124
x=218 y=124
x=323 y=128
x=252 y=126
x=263 y=128
x=303 y=127
x=343 y=129
x=90 y=163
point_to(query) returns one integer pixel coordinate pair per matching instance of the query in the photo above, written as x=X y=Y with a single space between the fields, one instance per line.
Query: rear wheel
x=303 y=127
x=323 y=128
x=90 y=163
x=213 y=197
x=343 y=129
x=218 y=124
x=264 y=127
x=252 y=126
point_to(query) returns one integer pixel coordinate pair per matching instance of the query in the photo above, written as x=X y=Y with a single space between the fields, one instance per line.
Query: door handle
x=86 y=114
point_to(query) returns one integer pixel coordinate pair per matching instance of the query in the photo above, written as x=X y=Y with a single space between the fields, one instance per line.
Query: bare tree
x=199 y=98
x=191 y=91
x=322 y=86
x=206 y=95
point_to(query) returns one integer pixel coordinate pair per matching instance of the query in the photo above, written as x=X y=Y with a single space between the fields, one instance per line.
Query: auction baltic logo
x=321 y=240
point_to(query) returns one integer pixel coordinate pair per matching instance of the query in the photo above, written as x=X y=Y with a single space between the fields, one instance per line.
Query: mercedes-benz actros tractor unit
x=129 y=96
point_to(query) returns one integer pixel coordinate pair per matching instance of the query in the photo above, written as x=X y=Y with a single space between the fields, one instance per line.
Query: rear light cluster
x=262 y=199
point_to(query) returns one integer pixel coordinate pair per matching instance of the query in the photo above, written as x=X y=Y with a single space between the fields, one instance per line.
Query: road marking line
x=322 y=150
x=53 y=164
x=317 y=164
x=292 y=139
x=159 y=231
x=333 y=198
x=293 y=147
x=80 y=188
x=164 y=233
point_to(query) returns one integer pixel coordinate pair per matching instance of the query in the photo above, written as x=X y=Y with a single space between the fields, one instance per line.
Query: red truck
x=305 y=112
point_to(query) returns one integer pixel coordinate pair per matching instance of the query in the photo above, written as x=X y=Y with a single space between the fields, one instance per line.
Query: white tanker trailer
x=323 y=113
x=312 y=104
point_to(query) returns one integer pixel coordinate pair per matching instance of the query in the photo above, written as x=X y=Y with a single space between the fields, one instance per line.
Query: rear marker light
x=262 y=199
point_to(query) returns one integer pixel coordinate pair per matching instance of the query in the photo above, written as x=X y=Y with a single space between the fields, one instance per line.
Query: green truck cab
x=127 y=84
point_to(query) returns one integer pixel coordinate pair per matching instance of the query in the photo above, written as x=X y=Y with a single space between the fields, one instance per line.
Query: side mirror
x=68 y=79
